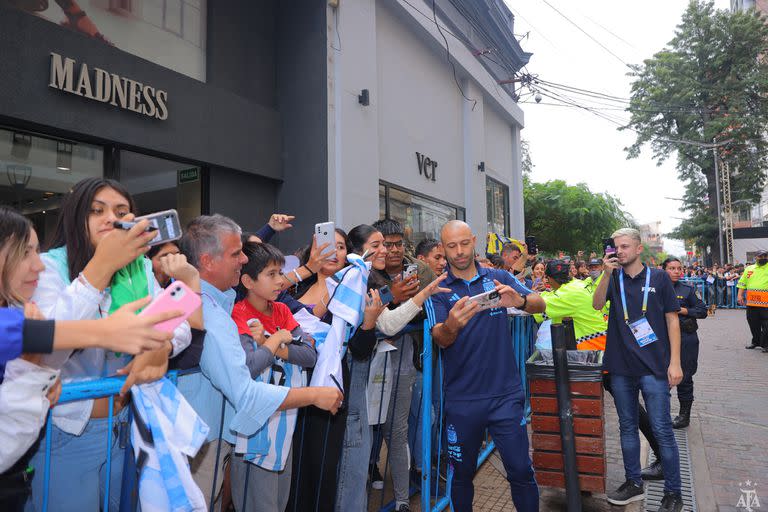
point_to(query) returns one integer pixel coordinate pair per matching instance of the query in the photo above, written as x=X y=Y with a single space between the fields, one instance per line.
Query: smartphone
x=166 y=223
x=410 y=270
x=177 y=297
x=530 y=241
x=385 y=295
x=487 y=300
x=609 y=247
x=325 y=233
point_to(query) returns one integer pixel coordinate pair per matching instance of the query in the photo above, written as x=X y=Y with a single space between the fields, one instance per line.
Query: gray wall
x=303 y=102
x=244 y=197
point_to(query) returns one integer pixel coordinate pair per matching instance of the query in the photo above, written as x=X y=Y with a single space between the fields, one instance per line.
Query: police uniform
x=689 y=348
x=755 y=282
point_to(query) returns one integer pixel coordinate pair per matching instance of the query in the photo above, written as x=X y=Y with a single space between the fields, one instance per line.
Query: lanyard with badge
x=641 y=329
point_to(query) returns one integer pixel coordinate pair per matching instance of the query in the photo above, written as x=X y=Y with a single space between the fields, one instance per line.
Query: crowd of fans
x=287 y=445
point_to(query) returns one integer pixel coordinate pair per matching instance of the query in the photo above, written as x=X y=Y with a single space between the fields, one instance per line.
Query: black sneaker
x=671 y=502
x=751 y=346
x=377 y=482
x=403 y=508
x=653 y=472
x=627 y=493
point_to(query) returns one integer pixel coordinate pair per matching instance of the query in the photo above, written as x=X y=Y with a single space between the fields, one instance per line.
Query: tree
x=709 y=84
x=570 y=217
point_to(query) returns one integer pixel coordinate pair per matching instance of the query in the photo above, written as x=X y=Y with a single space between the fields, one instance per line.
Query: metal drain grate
x=654 y=490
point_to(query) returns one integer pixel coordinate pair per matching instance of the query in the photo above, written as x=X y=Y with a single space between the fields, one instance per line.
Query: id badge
x=643 y=332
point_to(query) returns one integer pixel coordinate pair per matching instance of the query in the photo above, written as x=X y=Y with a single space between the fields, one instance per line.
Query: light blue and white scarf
x=165 y=431
x=347 y=291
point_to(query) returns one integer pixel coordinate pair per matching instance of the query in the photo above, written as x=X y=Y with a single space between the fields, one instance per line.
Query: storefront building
x=347 y=111
x=194 y=106
x=410 y=140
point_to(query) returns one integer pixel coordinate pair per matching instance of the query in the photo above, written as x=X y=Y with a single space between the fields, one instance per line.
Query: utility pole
x=719 y=208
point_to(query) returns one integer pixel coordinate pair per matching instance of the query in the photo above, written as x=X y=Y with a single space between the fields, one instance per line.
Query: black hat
x=595 y=261
x=558 y=268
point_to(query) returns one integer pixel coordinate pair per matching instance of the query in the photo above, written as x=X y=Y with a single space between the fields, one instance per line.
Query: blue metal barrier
x=716 y=293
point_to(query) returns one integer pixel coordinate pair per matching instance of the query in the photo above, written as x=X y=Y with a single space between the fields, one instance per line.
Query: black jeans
x=757 y=318
x=689 y=360
x=644 y=422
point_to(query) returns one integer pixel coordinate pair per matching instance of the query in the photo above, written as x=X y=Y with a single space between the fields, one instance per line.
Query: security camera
x=537 y=98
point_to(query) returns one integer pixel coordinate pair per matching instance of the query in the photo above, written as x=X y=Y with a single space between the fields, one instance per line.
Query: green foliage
x=709 y=84
x=570 y=217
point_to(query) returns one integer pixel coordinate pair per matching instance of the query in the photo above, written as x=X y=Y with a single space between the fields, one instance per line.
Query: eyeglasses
x=389 y=245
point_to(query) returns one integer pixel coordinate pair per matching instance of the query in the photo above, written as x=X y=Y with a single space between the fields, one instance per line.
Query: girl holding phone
x=92 y=269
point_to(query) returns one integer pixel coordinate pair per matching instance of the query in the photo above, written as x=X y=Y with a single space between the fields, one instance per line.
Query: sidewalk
x=731 y=435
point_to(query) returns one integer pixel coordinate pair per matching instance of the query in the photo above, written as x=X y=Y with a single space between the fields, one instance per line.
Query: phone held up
x=411 y=270
x=530 y=241
x=487 y=300
x=385 y=294
x=325 y=233
x=609 y=247
x=177 y=297
x=165 y=223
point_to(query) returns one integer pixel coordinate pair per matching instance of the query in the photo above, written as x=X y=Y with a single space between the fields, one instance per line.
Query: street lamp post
x=719 y=209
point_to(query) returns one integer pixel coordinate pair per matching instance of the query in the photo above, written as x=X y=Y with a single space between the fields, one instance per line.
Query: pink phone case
x=177 y=297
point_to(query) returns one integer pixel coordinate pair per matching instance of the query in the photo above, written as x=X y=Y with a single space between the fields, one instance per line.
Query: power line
x=587 y=34
x=450 y=61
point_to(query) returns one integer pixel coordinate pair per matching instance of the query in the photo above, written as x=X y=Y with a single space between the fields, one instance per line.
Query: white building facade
x=407 y=139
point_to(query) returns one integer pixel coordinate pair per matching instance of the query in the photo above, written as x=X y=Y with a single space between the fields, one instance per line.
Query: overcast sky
x=575 y=145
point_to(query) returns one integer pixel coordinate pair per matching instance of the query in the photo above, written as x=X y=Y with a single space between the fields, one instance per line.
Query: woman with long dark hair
x=92 y=269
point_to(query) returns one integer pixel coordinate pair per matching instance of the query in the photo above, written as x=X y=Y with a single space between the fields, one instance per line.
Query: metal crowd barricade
x=522 y=327
x=522 y=332
x=716 y=293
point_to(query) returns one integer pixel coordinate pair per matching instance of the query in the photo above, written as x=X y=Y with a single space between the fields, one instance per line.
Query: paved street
x=728 y=436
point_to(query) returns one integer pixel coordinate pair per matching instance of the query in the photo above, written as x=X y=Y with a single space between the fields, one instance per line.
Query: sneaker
x=403 y=508
x=653 y=472
x=671 y=502
x=627 y=493
x=751 y=346
x=377 y=482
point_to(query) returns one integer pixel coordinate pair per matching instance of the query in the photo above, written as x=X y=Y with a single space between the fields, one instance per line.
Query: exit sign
x=189 y=175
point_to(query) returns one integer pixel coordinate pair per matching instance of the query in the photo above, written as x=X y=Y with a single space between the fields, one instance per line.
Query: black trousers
x=689 y=360
x=757 y=318
x=644 y=422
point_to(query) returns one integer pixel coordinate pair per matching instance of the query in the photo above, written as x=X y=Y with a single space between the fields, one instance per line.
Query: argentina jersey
x=269 y=447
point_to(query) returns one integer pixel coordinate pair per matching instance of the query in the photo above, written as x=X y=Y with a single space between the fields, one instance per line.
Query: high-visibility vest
x=574 y=300
x=755 y=281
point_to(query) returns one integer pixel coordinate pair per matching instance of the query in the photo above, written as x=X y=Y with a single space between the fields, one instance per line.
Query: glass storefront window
x=422 y=217
x=497 y=204
x=36 y=172
x=157 y=184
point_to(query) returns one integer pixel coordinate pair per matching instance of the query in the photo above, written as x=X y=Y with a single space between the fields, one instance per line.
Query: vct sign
x=99 y=85
x=427 y=166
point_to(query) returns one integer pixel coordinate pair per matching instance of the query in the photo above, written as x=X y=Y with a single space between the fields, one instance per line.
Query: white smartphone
x=325 y=232
x=410 y=270
x=487 y=300
x=166 y=223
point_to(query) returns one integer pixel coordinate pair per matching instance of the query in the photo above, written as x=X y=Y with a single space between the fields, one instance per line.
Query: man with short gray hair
x=212 y=244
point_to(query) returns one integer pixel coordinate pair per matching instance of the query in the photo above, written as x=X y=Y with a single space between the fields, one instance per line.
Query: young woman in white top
x=92 y=269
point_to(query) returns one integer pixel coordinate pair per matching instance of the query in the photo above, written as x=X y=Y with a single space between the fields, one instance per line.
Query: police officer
x=595 y=269
x=753 y=286
x=691 y=308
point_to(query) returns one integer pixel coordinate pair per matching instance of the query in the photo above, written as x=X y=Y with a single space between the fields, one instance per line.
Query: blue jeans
x=656 y=395
x=352 y=488
x=79 y=469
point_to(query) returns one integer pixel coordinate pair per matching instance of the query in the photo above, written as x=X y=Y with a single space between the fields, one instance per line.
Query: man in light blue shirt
x=212 y=244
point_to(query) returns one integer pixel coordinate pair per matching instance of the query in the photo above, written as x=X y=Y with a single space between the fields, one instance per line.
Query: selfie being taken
x=383 y=255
